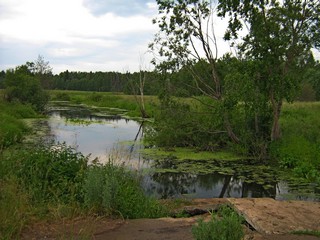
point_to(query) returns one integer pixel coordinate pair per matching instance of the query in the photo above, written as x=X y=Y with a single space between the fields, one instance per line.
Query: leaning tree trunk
x=229 y=129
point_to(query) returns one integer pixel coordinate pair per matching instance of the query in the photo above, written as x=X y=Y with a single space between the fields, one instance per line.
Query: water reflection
x=98 y=135
x=215 y=185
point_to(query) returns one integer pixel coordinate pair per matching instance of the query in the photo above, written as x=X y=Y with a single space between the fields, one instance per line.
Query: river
x=106 y=136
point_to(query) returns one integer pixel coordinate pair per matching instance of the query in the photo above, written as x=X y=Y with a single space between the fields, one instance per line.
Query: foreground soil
x=267 y=219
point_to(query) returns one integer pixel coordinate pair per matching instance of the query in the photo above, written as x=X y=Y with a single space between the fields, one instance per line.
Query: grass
x=298 y=151
x=308 y=232
x=56 y=182
x=12 y=128
x=225 y=225
x=106 y=99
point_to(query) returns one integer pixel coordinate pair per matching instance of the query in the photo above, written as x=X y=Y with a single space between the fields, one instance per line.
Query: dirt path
x=271 y=220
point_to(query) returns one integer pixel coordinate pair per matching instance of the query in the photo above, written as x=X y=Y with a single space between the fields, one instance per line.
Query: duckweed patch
x=241 y=169
x=189 y=154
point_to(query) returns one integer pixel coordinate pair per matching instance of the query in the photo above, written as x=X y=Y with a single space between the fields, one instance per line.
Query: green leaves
x=21 y=85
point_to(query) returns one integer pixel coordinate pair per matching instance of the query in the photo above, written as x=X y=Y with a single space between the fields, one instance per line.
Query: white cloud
x=68 y=29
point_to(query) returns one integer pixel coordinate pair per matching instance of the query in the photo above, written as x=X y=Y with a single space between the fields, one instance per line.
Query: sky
x=82 y=35
x=78 y=35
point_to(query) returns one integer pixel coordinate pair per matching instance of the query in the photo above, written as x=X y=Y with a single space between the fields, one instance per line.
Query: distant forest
x=180 y=83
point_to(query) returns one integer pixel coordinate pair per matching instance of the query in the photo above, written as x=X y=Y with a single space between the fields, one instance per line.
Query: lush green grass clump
x=12 y=129
x=225 y=225
x=116 y=190
x=52 y=182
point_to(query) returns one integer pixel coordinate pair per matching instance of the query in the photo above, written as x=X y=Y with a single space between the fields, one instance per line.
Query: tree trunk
x=276 y=107
x=229 y=129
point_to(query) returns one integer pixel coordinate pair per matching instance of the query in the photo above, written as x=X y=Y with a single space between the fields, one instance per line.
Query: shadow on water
x=95 y=134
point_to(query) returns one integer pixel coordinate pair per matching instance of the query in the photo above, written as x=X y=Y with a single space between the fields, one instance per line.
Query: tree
x=280 y=34
x=21 y=85
x=43 y=71
x=187 y=39
x=2 y=77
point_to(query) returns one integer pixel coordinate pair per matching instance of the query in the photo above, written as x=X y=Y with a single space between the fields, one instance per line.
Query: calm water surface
x=101 y=136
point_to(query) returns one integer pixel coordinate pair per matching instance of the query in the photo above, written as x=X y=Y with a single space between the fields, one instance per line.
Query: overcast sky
x=81 y=35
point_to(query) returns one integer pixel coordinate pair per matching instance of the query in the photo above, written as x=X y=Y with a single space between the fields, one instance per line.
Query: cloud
x=73 y=31
x=119 y=7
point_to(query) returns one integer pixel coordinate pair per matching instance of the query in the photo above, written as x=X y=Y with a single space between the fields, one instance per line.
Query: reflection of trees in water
x=168 y=185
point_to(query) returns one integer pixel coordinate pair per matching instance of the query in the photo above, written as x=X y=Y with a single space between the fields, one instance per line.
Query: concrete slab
x=269 y=216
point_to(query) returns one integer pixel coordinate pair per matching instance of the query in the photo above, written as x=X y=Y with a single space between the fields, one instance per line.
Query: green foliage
x=61 y=96
x=12 y=129
x=179 y=124
x=116 y=190
x=95 y=97
x=52 y=174
x=312 y=77
x=14 y=208
x=226 y=225
x=23 y=86
x=299 y=149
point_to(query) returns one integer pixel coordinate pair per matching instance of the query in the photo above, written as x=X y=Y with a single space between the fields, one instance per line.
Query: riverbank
x=265 y=219
x=27 y=199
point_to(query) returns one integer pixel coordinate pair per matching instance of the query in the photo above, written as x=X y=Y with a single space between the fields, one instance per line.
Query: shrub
x=114 y=189
x=23 y=86
x=224 y=226
x=52 y=174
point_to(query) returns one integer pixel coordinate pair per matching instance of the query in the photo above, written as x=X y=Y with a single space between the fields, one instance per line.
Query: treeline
x=180 y=83
x=103 y=81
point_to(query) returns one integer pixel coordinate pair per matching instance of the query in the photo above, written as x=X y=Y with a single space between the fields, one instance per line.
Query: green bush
x=114 y=189
x=52 y=174
x=23 y=86
x=226 y=225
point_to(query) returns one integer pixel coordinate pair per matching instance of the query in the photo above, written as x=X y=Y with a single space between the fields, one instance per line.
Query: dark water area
x=99 y=135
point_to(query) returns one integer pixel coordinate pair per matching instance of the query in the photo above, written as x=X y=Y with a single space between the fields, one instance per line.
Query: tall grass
x=52 y=182
x=14 y=208
x=299 y=149
x=115 y=190
x=225 y=225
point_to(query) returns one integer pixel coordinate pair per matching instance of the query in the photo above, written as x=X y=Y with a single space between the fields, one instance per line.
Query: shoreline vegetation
x=73 y=188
